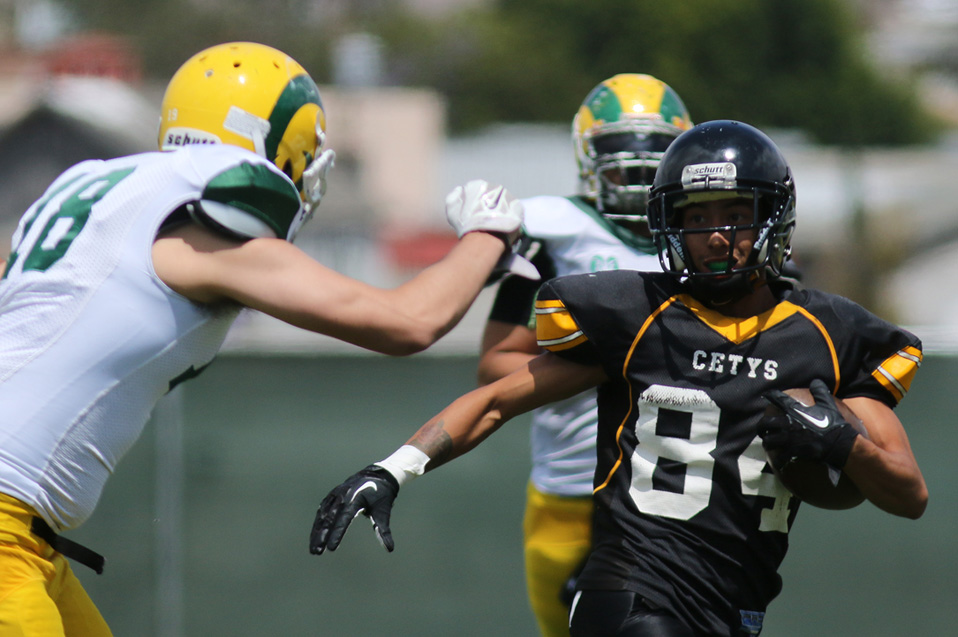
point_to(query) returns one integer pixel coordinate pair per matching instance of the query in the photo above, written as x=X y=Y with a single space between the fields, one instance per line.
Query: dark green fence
x=219 y=548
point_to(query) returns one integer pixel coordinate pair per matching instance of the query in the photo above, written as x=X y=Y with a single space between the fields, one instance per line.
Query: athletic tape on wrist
x=405 y=463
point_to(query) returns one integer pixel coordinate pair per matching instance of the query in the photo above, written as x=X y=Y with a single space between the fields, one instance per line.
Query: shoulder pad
x=249 y=200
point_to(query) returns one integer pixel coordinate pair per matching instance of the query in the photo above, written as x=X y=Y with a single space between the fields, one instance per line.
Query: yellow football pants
x=39 y=594
x=558 y=534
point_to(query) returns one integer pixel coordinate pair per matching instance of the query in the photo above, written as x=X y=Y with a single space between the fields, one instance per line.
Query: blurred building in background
x=63 y=99
x=918 y=39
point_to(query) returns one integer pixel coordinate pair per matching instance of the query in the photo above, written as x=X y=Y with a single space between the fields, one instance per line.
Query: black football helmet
x=728 y=158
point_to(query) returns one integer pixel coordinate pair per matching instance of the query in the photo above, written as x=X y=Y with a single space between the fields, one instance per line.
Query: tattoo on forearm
x=435 y=442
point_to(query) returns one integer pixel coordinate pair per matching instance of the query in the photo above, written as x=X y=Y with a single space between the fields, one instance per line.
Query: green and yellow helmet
x=248 y=95
x=620 y=133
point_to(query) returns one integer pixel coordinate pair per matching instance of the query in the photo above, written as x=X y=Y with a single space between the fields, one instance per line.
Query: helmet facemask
x=772 y=221
x=619 y=134
x=720 y=160
x=624 y=157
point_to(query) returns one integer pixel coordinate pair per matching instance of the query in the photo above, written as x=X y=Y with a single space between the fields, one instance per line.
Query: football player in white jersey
x=619 y=134
x=126 y=274
x=690 y=523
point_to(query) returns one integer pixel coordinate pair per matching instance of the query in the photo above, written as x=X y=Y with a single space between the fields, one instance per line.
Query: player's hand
x=817 y=432
x=478 y=206
x=370 y=492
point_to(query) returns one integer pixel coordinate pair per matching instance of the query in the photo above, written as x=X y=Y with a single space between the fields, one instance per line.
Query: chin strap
x=718 y=293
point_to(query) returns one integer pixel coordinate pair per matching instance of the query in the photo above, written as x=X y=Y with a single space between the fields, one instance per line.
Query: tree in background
x=795 y=64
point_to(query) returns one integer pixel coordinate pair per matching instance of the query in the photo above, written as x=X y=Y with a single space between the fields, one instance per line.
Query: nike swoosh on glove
x=370 y=492
x=814 y=432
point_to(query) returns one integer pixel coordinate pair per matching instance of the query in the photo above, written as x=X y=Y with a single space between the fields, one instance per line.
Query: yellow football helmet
x=620 y=133
x=247 y=95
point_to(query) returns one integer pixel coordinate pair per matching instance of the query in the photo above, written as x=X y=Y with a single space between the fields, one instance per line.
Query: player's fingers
x=339 y=525
x=380 y=520
x=821 y=393
x=319 y=536
x=328 y=510
x=775 y=440
x=776 y=432
x=781 y=400
x=772 y=424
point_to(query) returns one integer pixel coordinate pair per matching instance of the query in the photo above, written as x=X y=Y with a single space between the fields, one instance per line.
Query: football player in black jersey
x=691 y=525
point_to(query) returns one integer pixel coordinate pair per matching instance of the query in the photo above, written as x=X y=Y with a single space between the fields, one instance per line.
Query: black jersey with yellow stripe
x=688 y=514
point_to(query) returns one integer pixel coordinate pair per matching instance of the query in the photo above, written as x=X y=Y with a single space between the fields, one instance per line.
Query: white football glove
x=477 y=206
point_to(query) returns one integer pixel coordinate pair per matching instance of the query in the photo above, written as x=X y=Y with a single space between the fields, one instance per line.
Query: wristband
x=405 y=463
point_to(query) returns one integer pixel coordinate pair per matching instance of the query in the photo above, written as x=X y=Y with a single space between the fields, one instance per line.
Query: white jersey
x=90 y=337
x=577 y=240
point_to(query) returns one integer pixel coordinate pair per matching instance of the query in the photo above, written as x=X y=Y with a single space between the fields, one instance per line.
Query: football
x=808 y=479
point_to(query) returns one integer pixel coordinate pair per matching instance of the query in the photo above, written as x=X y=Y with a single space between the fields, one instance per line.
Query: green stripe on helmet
x=672 y=106
x=604 y=104
x=301 y=90
x=258 y=191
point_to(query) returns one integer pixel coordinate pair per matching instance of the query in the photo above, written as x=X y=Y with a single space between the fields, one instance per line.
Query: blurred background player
x=126 y=274
x=619 y=135
x=690 y=524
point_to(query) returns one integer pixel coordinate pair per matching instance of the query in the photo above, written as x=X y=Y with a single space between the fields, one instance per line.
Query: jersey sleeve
x=557 y=329
x=592 y=318
x=238 y=193
x=251 y=200
x=881 y=360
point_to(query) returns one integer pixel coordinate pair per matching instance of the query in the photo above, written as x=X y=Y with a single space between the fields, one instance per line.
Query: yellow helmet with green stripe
x=620 y=133
x=248 y=95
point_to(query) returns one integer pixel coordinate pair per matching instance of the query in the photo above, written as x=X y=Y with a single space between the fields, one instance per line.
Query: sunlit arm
x=277 y=278
x=505 y=348
x=472 y=418
x=883 y=466
x=454 y=431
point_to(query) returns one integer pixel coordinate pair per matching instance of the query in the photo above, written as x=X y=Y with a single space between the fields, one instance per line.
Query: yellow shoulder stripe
x=739 y=330
x=556 y=330
x=898 y=370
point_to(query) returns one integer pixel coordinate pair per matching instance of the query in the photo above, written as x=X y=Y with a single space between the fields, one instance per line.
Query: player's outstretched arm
x=457 y=429
x=277 y=278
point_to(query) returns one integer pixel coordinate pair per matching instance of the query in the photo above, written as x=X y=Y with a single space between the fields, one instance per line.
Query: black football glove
x=370 y=492
x=817 y=432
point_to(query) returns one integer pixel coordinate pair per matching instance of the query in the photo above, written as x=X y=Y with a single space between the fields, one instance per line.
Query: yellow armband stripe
x=897 y=371
x=556 y=330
